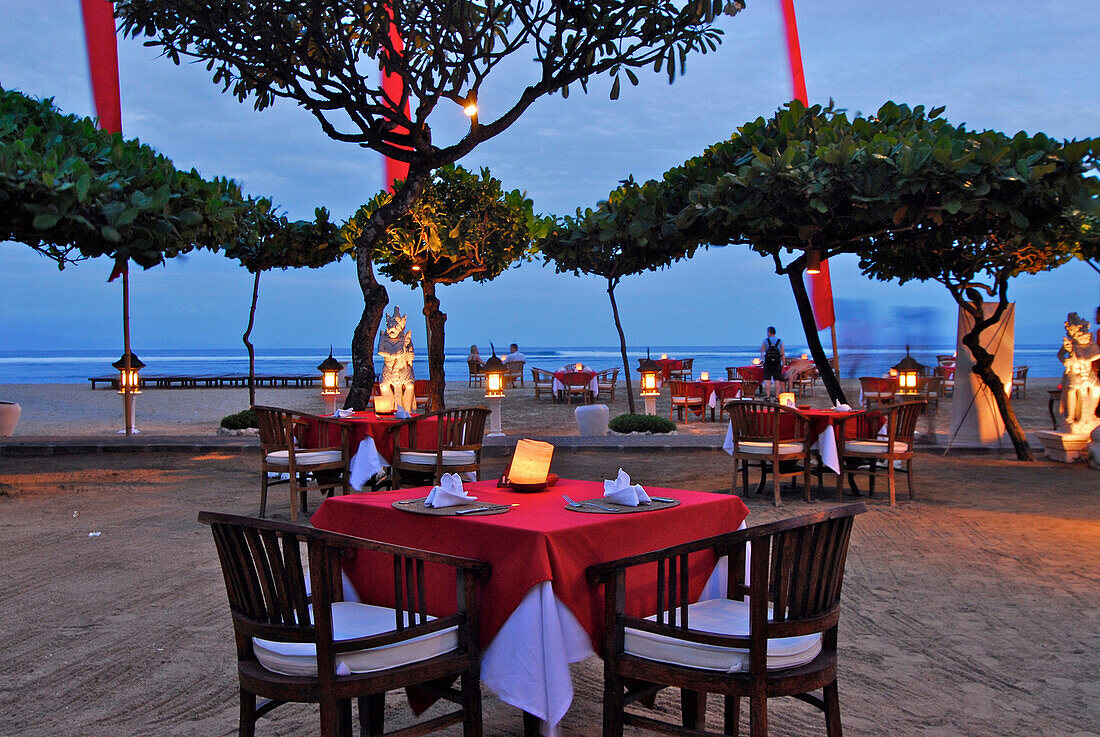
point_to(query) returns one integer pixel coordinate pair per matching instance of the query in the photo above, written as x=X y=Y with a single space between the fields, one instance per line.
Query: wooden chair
x=1019 y=381
x=930 y=389
x=459 y=433
x=684 y=396
x=731 y=374
x=283 y=451
x=875 y=442
x=543 y=382
x=477 y=373
x=515 y=373
x=773 y=635
x=746 y=390
x=579 y=384
x=285 y=620
x=946 y=378
x=607 y=380
x=421 y=392
x=804 y=383
x=774 y=437
x=684 y=372
x=877 y=390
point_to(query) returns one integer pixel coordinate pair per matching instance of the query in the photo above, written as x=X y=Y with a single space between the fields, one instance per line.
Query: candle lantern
x=704 y=376
x=756 y=362
x=805 y=356
x=330 y=370
x=128 y=381
x=579 y=367
x=908 y=370
x=649 y=371
x=786 y=399
x=664 y=356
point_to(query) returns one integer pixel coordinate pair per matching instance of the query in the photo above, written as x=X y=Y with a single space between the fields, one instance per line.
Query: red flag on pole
x=99 y=32
x=394 y=87
x=821 y=287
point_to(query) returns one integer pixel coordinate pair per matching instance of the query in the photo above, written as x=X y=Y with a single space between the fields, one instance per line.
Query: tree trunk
x=375 y=297
x=622 y=343
x=435 y=320
x=248 y=343
x=983 y=367
x=806 y=312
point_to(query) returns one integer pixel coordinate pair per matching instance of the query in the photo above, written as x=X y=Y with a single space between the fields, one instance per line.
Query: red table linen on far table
x=537 y=541
x=709 y=391
x=751 y=373
x=370 y=425
x=668 y=365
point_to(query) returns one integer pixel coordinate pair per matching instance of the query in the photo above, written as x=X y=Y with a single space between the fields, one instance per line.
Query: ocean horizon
x=77 y=366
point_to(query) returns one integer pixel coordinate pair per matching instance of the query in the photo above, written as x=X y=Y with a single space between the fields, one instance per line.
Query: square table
x=371 y=440
x=570 y=375
x=823 y=423
x=538 y=613
x=709 y=391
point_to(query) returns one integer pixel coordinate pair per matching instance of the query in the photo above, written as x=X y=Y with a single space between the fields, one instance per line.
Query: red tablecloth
x=537 y=541
x=705 y=388
x=823 y=418
x=668 y=365
x=369 y=424
x=575 y=378
x=751 y=373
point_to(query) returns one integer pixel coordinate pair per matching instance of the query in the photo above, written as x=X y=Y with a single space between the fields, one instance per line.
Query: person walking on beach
x=773 y=354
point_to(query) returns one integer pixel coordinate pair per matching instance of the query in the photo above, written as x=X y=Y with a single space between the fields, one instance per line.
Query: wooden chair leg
x=612 y=705
x=343 y=717
x=909 y=476
x=758 y=715
x=263 y=493
x=693 y=708
x=831 y=697
x=891 y=481
x=293 y=484
x=372 y=714
x=731 y=719
x=471 y=704
x=806 y=476
x=777 y=482
x=531 y=725
x=247 y=725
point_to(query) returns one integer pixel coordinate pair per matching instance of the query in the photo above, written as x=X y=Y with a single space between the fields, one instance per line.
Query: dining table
x=709 y=391
x=538 y=613
x=824 y=424
x=571 y=375
x=371 y=443
x=751 y=373
x=668 y=365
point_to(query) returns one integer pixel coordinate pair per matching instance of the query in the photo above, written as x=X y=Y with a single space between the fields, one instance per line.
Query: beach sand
x=58 y=410
x=970 y=611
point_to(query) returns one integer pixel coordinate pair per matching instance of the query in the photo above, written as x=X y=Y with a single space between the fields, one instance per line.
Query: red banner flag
x=821 y=287
x=99 y=33
x=394 y=87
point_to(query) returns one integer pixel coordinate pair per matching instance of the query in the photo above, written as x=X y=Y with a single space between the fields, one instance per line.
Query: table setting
x=575 y=374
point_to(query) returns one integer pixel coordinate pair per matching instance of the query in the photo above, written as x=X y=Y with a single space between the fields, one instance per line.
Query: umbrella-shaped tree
x=462 y=226
x=603 y=242
x=321 y=54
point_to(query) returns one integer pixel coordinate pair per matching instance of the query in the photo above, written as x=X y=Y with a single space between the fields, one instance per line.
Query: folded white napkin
x=343 y=413
x=620 y=491
x=401 y=413
x=448 y=493
x=842 y=407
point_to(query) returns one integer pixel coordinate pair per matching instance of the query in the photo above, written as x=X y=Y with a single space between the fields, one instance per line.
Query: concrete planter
x=9 y=418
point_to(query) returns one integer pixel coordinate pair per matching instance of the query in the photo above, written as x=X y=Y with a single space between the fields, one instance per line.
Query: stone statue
x=1080 y=386
x=396 y=349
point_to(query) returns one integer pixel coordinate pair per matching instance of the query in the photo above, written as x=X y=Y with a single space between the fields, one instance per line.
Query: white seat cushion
x=762 y=448
x=349 y=621
x=450 y=457
x=687 y=400
x=304 y=458
x=724 y=617
x=874 y=446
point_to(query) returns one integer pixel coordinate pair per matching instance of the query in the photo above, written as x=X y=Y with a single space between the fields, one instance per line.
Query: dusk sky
x=1009 y=65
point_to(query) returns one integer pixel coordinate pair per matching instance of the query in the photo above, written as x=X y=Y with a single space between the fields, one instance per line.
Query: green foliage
x=641 y=423
x=72 y=191
x=462 y=226
x=267 y=240
x=240 y=420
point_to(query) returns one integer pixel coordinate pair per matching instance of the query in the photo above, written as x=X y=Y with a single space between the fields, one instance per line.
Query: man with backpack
x=774 y=355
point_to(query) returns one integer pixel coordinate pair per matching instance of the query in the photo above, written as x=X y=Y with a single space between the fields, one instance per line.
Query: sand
x=58 y=410
x=973 y=610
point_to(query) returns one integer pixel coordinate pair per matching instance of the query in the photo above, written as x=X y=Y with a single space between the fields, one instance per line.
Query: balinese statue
x=1080 y=386
x=396 y=349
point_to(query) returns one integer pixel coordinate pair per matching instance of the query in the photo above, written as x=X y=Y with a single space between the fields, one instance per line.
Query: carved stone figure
x=1080 y=386
x=396 y=349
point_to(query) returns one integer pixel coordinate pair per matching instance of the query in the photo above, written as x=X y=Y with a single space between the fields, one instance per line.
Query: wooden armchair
x=776 y=438
x=873 y=442
x=283 y=450
x=1019 y=381
x=298 y=641
x=421 y=392
x=685 y=397
x=477 y=373
x=543 y=382
x=459 y=433
x=684 y=371
x=877 y=390
x=577 y=384
x=607 y=380
x=515 y=373
x=772 y=635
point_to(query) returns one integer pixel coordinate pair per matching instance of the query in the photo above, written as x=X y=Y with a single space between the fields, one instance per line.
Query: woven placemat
x=620 y=508
x=416 y=506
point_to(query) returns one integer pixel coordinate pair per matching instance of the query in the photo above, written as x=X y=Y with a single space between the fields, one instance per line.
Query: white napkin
x=448 y=493
x=401 y=413
x=343 y=413
x=621 y=491
x=842 y=407
x=791 y=403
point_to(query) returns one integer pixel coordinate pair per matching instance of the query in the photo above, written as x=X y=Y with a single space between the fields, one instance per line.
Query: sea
x=76 y=366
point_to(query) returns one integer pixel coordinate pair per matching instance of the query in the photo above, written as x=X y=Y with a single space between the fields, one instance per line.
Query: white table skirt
x=593 y=386
x=825 y=445
x=368 y=462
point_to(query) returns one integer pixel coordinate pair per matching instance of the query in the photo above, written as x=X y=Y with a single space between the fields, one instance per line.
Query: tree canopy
x=331 y=59
x=72 y=191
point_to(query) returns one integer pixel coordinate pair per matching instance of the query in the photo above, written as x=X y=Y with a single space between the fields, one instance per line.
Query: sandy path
x=972 y=611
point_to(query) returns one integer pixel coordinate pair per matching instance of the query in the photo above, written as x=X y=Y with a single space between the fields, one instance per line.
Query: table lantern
x=384 y=404
x=908 y=369
x=579 y=367
x=664 y=356
x=786 y=399
x=128 y=381
x=756 y=362
x=805 y=356
x=530 y=462
x=704 y=376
